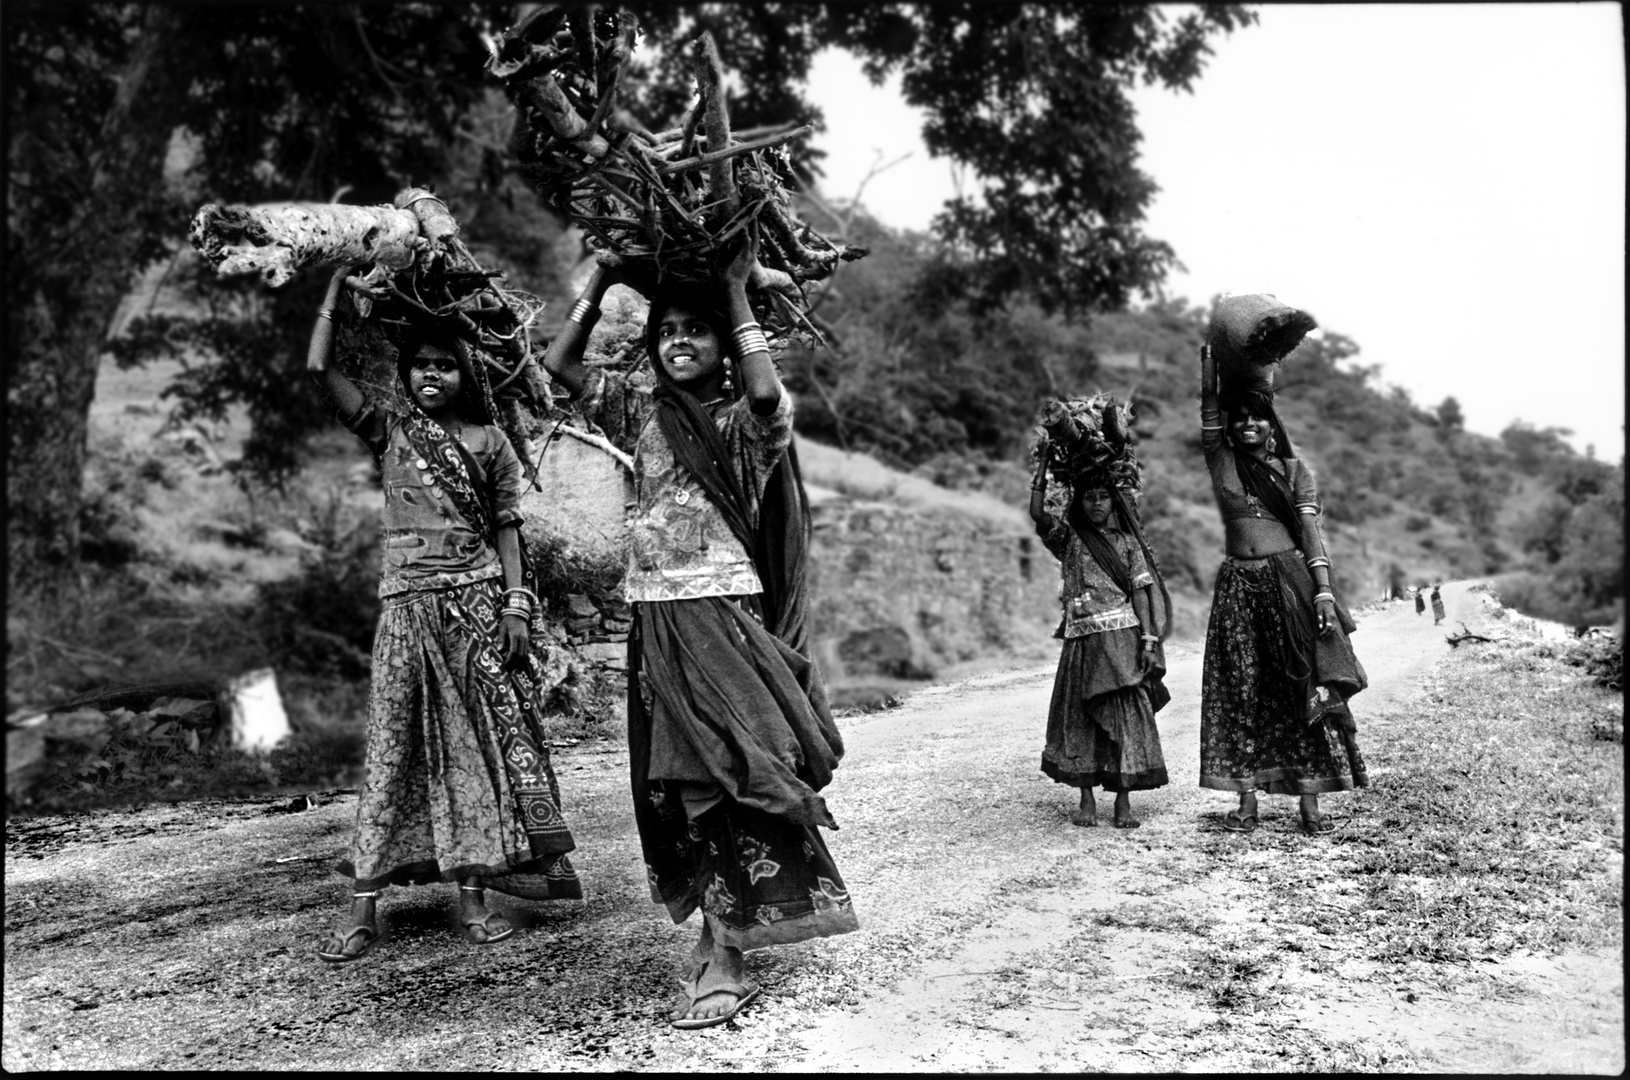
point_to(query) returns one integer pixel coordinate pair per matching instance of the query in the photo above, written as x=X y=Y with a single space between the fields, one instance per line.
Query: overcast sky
x=1445 y=184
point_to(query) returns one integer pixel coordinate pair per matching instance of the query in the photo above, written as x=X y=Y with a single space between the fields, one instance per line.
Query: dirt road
x=995 y=934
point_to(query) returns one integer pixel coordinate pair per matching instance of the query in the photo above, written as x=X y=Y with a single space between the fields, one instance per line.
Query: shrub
x=321 y=620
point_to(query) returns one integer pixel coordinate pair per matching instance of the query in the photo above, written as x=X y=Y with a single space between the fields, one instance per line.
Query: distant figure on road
x=1420 y=600
x=730 y=736
x=1437 y=606
x=459 y=785
x=1101 y=725
x=1279 y=669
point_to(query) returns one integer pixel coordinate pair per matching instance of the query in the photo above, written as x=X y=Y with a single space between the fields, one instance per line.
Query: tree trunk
x=77 y=271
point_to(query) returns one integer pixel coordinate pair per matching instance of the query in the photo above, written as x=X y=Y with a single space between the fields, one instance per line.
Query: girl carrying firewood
x=1101 y=725
x=730 y=735
x=459 y=787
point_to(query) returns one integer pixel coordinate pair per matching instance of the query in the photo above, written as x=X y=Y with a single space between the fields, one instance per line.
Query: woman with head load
x=730 y=735
x=1437 y=606
x=459 y=784
x=1101 y=725
x=1279 y=669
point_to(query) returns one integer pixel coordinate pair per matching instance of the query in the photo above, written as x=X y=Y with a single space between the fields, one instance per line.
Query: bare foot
x=1087 y=815
x=1123 y=811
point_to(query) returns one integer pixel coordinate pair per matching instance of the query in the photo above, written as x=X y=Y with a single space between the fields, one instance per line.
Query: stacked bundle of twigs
x=664 y=204
x=418 y=270
x=1088 y=435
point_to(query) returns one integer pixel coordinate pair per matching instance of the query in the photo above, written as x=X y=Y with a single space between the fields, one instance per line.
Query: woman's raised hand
x=740 y=267
x=613 y=269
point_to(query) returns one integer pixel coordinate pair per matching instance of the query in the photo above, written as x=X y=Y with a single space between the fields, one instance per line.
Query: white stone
x=255 y=719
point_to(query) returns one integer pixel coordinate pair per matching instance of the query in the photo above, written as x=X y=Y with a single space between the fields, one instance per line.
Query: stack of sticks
x=415 y=269
x=664 y=204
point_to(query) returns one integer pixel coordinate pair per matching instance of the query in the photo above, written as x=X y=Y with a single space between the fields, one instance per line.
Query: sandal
x=339 y=955
x=744 y=993
x=1318 y=826
x=472 y=925
x=1234 y=821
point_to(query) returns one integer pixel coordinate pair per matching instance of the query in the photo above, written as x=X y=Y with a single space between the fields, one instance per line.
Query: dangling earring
x=728 y=384
x=1272 y=444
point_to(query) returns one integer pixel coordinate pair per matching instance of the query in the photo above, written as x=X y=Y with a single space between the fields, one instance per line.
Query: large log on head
x=278 y=240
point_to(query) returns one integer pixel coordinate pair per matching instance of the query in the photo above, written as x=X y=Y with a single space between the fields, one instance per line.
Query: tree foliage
x=1032 y=98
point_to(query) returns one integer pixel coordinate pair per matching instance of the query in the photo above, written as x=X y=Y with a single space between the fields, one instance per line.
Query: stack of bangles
x=749 y=339
x=520 y=602
x=1325 y=593
x=1149 y=639
x=325 y=312
x=584 y=313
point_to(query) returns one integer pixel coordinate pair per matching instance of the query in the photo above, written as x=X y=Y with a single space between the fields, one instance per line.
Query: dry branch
x=278 y=240
x=674 y=197
x=421 y=272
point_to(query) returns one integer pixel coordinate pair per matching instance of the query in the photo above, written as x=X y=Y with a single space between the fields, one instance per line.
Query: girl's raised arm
x=1211 y=421
x=1038 y=494
x=758 y=379
x=564 y=360
x=341 y=392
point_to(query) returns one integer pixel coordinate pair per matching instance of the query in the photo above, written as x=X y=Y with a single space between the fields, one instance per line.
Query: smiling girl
x=460 y=787
x=1279 y=669
x=730 y=735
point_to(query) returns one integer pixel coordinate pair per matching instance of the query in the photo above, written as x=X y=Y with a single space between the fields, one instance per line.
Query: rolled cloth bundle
x=1249 y=334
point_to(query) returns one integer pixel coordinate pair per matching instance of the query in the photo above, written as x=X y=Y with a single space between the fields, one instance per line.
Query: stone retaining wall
x=902 y=585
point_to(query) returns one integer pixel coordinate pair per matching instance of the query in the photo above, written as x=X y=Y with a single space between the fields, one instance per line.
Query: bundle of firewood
x=670 y=203
x=1081 y=436
x=415 y=269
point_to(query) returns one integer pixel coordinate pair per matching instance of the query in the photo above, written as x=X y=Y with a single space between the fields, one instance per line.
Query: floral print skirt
x=459 y=780
x=1255 y=727
x=760 y=877
x=1101 y=726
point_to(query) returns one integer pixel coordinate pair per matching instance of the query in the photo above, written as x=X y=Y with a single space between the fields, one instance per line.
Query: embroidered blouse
x=427 y=542
x=680 y=547
x=1092 y=602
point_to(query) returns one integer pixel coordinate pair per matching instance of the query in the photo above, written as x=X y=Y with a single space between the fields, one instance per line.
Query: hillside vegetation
x=1410 y=496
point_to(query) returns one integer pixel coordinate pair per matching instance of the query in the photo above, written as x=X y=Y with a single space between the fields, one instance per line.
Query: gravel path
x=995 y=935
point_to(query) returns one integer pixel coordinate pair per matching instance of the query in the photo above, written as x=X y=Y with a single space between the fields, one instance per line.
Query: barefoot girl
x=1278 y=666
x=1101 y=726
x=459 y=785
x=730 y=737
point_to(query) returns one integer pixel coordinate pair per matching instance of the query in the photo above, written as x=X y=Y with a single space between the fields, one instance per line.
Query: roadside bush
x=321 y=621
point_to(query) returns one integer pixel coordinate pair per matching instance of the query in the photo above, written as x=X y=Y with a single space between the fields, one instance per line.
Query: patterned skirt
x=1257 y=731
x=760 y=878
x=459 y=780
x=1101 y=726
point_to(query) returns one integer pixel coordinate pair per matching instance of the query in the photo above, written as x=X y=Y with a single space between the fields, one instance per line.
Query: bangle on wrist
x=584 y=313
x=325 y=312
x=749 y=338
x=1324 y=596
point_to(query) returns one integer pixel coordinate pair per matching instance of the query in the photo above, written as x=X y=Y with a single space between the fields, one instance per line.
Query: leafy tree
x=1450 y=419
x=1031 y=97
x=1532 y=448
x=281 y=102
